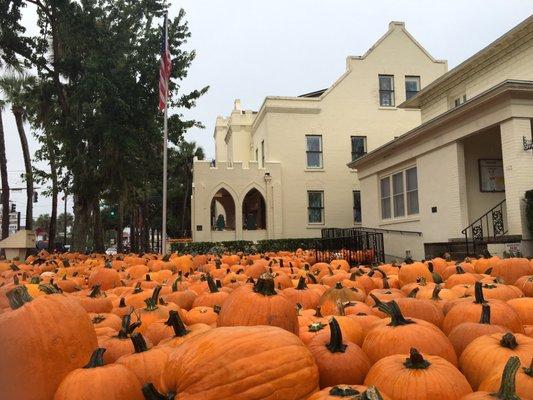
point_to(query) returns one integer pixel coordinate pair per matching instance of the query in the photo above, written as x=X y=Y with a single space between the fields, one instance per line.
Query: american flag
x=165 y=69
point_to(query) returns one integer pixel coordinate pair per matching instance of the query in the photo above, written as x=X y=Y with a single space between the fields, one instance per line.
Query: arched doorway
x=222 y=211
x=253 y=211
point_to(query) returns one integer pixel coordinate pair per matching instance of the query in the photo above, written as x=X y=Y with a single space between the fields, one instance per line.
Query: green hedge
x=244 y=246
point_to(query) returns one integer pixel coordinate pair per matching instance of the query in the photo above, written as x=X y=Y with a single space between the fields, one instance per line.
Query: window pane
x=412 y=83
x=315 y=215
x=412 y=202
x=399 y=209
x=385 y=99
x=385 y=187
x=411 y=179
x=357 y=206
x=386 y=82
x=397 y=183
x=314 y=160
x=315 y=199
x=358 y=146
x=385 y=208
x=314 y=143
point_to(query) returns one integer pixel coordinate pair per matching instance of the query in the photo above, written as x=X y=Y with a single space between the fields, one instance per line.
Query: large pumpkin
x=489 y=353
x=252 y=362
x=418 y=377
x=42 y=341
x=259 y=305
x=98 y=381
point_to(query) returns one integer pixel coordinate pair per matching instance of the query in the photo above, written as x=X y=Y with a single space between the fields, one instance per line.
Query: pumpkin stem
x=122 y=303
x=340 y=307
x=372 y=393
x=148 y=278
x=139 y=344
x=151 y=393
x=217 y=309
x=127 y=327
x=338 y=285
x=166 y=258
x=108 y=264
x=312 y=278
x=175 y=284
x=459 y=269
x=16 y=280
x=478 y=293
x=335 y=344
x=177 y=324
x=97 y=358
x=211 y=284
x=48 y=289
x=346 y=391
x=412 y=293
x=386 y=283
x=95 y=291
x=316 y=326
x=529 y=370
x=508 y=384
x=509 y=340
x=485 y=314
x=37 y=279
x=18 y=297
x=301 y=284
x=14 y=267
x=436 y=291
x=265 y=285
x=138 y=288
x=393 y=311
x=151 y=302
x=416 y=360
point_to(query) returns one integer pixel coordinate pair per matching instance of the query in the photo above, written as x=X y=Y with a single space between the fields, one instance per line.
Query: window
x=412 y=86
x=460 y=100
x=262 y=153
x=399 y=194
x=314 y=151
x=411 y=184
x=358 y=147
x=315 y=209
x=386 y=90
x=357 y=206
x=385 y=198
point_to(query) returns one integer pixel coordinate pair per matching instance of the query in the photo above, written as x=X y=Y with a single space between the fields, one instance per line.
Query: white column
x=518 y=170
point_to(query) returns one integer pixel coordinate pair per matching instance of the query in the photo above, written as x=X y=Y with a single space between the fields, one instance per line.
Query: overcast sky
x=251 y=49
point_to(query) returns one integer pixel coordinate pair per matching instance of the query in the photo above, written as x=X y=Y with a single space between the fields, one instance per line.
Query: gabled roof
x=524 y=28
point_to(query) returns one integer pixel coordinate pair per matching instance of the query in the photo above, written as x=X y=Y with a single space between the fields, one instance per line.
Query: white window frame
x=322 y=208
x=321 y=152
x=414 y=77
x=406 y=215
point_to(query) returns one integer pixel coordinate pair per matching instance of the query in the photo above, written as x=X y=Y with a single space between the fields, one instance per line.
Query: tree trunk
x=98 y=233
x=185 y=201
x=27 y=166
x=120 y=225
x=55 y=190
x=5 y=182
x=145 y=241
x=133 y=231
x=81 y=219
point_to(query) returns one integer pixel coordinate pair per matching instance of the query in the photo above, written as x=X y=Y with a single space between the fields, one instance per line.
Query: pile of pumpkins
x=264 y=326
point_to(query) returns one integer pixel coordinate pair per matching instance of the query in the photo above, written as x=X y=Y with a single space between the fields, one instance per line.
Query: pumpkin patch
x=264 y=326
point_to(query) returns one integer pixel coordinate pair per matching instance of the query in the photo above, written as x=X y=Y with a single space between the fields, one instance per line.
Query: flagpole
x=165 y=146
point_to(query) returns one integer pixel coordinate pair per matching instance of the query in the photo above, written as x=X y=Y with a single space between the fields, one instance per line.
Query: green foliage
x=244 y=246
x=529 y=210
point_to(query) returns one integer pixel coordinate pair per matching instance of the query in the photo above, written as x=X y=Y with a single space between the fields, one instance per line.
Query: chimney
x=237 y=105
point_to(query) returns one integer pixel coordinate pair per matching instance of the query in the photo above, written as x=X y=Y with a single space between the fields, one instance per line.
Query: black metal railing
x=341 y=232
x=489 y=226
x=356 y=246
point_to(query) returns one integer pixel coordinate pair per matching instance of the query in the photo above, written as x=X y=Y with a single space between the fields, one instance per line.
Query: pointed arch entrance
x=222 y=211
x=253 y=211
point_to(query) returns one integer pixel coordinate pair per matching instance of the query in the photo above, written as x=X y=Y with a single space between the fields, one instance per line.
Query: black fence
x=354 y=245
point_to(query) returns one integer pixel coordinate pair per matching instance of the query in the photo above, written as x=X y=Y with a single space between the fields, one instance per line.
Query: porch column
x=518 y=171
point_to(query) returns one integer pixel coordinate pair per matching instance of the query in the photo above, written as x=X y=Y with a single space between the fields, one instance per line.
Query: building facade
x=281 y=172
x=459 y=177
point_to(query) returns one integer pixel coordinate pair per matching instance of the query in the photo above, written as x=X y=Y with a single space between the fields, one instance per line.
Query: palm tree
x=14 y=88
x=3 y=173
